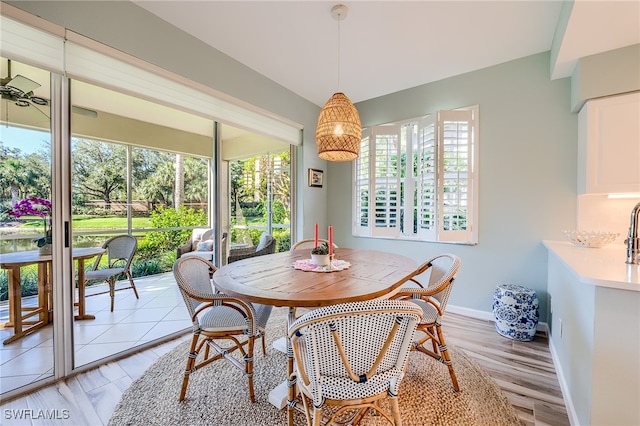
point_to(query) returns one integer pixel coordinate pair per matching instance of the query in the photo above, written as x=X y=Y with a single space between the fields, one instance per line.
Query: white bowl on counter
x=590 y=239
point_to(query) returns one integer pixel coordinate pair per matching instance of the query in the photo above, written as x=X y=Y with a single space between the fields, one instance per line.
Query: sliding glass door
x=26 y=279
x=260 y=198
x=135 y=173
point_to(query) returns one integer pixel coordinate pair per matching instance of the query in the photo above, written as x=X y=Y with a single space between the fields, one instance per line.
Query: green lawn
x=106 y=222
x=92 y=222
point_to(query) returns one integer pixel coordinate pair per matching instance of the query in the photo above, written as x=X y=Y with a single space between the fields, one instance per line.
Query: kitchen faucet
x=633 y=241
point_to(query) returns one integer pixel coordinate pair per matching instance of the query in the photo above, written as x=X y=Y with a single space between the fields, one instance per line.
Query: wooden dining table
x=21 y=317
x=273 y=280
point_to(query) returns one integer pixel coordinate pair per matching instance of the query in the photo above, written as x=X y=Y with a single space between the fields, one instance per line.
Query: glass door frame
x=62 y=267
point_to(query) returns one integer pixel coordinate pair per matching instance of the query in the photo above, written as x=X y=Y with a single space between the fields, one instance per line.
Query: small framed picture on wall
x=315 y=178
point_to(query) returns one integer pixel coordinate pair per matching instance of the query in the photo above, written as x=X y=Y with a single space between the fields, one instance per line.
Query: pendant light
x=339 y=130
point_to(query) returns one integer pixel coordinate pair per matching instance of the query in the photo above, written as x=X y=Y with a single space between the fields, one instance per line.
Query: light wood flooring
x=523 y=370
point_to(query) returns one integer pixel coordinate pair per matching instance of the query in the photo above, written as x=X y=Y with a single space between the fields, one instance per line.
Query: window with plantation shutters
x=417 y=179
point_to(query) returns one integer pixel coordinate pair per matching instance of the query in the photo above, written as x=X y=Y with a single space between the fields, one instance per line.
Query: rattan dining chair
x=351 y=356
x=220 y=322
x=310 y=244
x=430 y=287
x=119 y=251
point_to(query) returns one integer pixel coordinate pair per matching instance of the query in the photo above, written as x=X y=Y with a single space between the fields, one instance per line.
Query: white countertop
x=603 y=267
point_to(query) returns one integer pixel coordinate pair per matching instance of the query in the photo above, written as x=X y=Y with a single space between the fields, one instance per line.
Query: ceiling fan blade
x=30 y=115
x=38 y=100
x=22 y=84
x=41 y=111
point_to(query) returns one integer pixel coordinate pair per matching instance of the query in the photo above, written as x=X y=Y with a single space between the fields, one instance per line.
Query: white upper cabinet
x=609 y=145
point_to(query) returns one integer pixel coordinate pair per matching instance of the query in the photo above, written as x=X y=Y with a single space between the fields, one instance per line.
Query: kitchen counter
x=595 y=332
x=602 y=267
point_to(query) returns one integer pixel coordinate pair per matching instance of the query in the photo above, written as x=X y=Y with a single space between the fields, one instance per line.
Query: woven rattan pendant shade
x=339 y=130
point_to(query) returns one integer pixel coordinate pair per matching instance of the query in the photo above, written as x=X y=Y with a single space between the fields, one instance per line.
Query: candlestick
x=330 y=240
x=316 y=237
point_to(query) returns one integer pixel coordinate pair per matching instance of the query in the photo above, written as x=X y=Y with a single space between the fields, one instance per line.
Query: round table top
x=34 y=256
x=272 y=280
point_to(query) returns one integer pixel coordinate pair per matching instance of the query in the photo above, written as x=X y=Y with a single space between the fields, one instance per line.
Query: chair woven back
x=120 y=248
x=119 y=253
x=340 y=347
x=193 y=276
x=309 y=244
x=441 y=271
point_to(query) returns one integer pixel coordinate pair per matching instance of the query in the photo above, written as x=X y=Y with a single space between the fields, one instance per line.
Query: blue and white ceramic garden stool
x=516 y=312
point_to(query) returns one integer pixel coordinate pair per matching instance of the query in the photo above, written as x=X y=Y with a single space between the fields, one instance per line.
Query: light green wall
x=528 y=151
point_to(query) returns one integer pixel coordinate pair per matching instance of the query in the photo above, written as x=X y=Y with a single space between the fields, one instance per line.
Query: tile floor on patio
x=159 y=312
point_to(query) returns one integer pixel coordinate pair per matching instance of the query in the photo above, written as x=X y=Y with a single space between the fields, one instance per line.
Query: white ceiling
x=387 y=46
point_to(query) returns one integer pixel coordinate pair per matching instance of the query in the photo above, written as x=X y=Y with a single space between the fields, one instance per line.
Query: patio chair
x=309 y=244
x=193 y=244
x=440 y=272
x=201 y=244
x=218 y=318
x=119 y=251
x=267 y=245
x=351 y=356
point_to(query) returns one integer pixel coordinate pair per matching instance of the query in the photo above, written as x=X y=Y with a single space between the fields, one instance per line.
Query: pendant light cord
x=339 y=55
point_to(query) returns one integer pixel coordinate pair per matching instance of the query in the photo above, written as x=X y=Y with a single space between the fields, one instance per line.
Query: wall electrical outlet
x=560 y=327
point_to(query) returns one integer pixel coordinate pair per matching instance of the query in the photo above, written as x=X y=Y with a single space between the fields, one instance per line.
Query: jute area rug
x=217 y=394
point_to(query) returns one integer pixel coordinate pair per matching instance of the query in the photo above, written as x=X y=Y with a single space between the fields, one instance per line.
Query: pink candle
x=316 y=238
x=330 y=240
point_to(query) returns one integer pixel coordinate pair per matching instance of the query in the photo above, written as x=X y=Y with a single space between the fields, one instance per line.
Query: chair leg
x=433 y=341
x=444 y=352
x=133 y=286
x=112 y=291
x=191 y=360
x=248 y=365
x=307 y=413
x=317 y=416
x=395 y=411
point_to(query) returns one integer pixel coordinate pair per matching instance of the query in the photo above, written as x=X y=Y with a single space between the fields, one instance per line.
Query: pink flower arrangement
x=34 y=206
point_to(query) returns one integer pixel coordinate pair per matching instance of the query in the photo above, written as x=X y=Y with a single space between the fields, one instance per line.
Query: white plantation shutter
x=409 y=179
x=418 y=179
x=454 y=145
x=427 y=182
x=361 y=186
x=386 y=181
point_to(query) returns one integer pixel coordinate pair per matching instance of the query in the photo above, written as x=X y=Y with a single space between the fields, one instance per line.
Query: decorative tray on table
x=307 y=265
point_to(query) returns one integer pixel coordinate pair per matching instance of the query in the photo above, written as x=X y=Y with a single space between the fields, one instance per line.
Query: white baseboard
x=564 y=387
x=473 y=313
x=487 y=316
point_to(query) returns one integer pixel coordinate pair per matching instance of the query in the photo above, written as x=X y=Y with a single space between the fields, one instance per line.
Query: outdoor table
x=19 y=316
x=272 y=280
